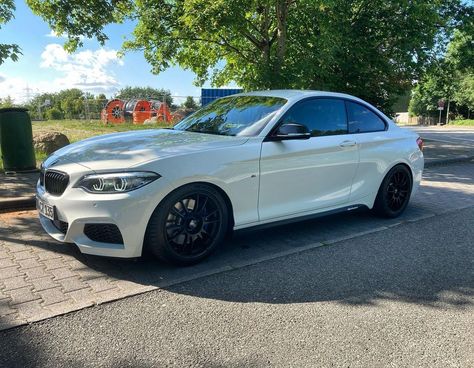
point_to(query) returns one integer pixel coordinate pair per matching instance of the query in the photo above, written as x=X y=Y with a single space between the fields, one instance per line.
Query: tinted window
x=362 y=120
x=321 y=116
x=240 y=115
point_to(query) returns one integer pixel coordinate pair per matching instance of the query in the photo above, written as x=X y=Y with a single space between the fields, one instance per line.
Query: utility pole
x=87 y=110
x=27 y=90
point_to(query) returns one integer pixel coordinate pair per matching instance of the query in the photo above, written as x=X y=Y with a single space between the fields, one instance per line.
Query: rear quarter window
x=362 y=120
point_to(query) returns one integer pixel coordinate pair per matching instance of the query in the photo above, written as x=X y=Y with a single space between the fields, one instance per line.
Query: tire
x=394 y=192
x=188 y=225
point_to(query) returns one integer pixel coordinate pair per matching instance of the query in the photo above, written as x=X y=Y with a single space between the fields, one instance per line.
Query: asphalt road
x=401 y=297
x=450 y=134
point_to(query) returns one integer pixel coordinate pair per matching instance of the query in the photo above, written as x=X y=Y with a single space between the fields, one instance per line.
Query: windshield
x=238 y=115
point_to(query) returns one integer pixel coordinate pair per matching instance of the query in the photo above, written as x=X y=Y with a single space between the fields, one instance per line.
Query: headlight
x=116 y=182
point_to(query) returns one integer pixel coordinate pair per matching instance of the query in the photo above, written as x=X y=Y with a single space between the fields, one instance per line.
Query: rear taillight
x=419 y=142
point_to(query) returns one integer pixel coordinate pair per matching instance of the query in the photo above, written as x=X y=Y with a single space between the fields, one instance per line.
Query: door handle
x=347 y=144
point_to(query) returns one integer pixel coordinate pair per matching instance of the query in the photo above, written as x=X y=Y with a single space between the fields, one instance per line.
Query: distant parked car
x=242 y=161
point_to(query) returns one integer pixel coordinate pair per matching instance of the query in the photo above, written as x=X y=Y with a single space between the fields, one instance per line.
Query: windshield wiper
x=205 y=132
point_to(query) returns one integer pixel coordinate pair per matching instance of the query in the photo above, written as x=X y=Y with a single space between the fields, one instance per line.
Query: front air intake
x=103 y=233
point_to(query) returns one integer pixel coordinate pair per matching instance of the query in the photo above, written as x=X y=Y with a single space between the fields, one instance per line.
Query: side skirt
x=301 y=218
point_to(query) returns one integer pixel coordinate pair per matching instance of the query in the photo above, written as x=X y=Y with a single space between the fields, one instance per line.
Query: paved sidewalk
x=17 y=190
x=438 y=153
x=40 y=278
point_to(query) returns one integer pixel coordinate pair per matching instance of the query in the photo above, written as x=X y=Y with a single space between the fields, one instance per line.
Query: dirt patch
x=9 y=217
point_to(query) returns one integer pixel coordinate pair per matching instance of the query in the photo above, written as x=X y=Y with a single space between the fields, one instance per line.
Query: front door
x=303 y=176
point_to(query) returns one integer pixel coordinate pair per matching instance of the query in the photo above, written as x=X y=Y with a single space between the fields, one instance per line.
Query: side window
x=321 y=116
x=362 y=120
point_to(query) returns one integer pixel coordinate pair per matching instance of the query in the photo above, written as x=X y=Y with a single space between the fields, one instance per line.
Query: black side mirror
x=288 y=131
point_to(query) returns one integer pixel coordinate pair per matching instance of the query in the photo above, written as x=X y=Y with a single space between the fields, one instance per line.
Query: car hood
x=123 y=150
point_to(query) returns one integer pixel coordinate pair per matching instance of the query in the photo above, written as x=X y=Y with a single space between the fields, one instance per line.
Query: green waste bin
x=16 y=139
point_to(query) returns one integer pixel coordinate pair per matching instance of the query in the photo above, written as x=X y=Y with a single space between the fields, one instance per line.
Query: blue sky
x=45 y=66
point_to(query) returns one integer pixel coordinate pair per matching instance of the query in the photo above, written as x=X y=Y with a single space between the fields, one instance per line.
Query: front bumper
x=130 y=212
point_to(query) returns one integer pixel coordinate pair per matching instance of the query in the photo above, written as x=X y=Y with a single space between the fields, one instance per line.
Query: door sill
x=272 y=223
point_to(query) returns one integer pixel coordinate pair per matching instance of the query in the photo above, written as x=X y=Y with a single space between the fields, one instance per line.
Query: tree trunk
x=281 y=17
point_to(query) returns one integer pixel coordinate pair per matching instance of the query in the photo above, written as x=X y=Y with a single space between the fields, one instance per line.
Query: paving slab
x=16 y=184
x=439 y=153
x=59 y=279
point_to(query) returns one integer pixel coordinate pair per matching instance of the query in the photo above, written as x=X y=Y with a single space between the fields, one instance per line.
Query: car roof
x=295 y=94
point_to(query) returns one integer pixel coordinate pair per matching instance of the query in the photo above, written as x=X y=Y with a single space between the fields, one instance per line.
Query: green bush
x=462 y=122
x=53 y=114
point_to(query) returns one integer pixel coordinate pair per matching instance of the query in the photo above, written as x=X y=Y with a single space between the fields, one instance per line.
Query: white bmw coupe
x=242 y=161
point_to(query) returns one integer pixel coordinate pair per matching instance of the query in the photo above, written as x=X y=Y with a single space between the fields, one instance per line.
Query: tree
x=145 y=93
x=373 y=49
x=450 y=77
x=54 y=114
x=6 y=102
x=464 y=96
x=426 y=94
x=71 y=102
x=190 y=103
x=460 y=50
x=12 y=51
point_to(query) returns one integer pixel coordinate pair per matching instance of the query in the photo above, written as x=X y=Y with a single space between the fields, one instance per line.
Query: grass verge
x=466 y=122
x=77 y=130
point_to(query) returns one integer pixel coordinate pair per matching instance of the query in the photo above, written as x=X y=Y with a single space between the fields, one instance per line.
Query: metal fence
x=92 y=109
x=405 y=119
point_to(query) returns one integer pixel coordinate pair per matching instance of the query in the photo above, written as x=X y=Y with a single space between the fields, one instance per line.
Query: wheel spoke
x=203 y=207
x=210 y=214
x=192 y=224
x=175 y=212
x=174 y=235
x=185 y=208
x=186 y=238
x=196 y=204
x=210 y=222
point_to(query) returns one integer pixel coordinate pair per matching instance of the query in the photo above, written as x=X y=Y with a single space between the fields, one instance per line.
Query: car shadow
x=361 y=270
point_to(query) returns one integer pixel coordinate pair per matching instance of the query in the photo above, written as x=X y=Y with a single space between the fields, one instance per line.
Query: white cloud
x=54 y=34
x=87 y=70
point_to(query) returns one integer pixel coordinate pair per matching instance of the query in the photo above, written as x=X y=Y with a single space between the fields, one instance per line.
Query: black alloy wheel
x=188 y=225
x=192 y=224
x=397 y=190
x=394 y=192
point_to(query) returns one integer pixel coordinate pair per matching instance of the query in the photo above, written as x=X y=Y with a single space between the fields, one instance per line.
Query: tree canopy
x=450 y=78
x=190 y=103
x=7 y=8
x=145 y=92
x=68 y=103
x=373 y=49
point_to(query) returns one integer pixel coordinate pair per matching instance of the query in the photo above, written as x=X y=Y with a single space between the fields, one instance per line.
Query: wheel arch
x=382 y=178
x=226 y=198
x=217 y=188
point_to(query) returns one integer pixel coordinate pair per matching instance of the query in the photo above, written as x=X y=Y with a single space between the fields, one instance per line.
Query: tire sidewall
x=156 y=238
x=381 y=205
